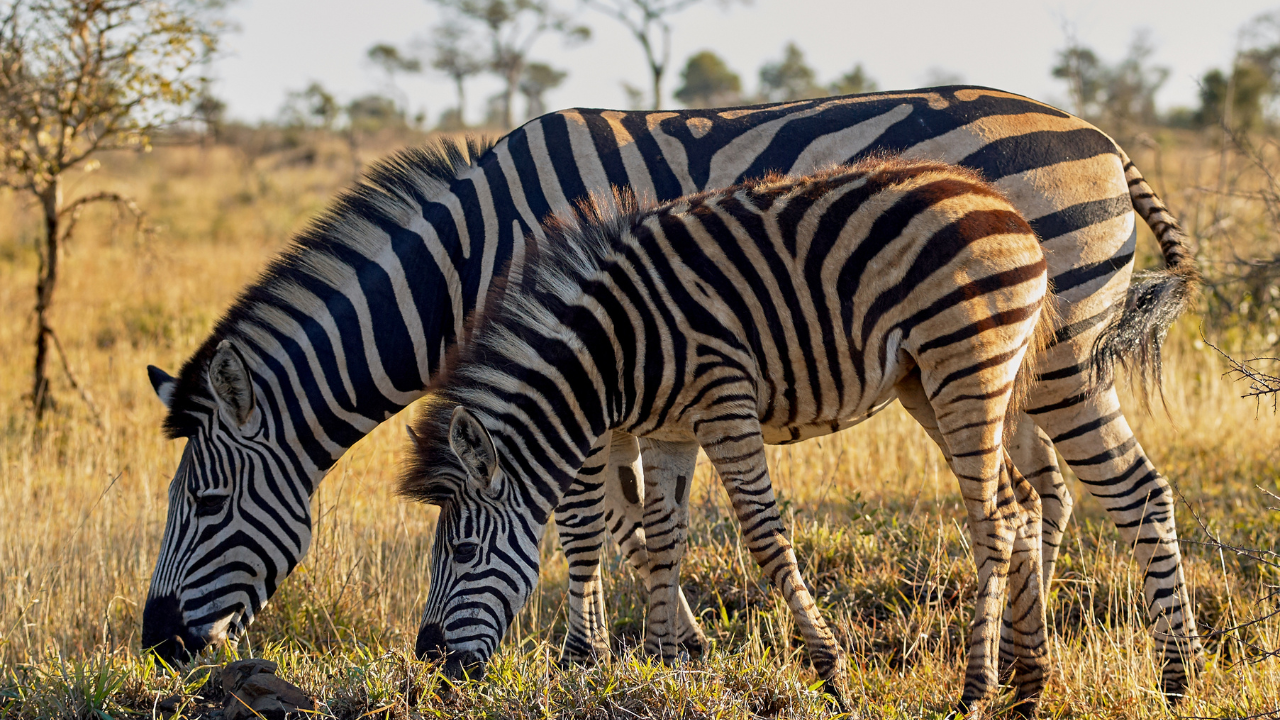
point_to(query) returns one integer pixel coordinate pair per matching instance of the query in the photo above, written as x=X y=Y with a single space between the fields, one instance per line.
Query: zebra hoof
x=694 y=646
x=1025 y=708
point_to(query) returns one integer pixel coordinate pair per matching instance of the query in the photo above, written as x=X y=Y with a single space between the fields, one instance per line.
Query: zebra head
x=484 y=561
x=238 y=522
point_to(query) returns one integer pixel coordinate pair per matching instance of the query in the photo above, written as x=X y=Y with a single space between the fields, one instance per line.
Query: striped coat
x=778 y=309
x=353 y=320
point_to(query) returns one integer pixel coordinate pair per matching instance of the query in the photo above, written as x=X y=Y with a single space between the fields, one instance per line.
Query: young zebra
x=770 y=311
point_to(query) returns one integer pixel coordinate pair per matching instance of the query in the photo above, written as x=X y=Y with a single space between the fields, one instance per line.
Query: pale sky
x=1007 y=44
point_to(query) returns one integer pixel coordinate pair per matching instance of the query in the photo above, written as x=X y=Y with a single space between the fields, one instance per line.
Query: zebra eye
x=465 y=552
x=210 y=504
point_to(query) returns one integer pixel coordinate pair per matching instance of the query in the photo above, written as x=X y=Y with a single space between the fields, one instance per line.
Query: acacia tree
x=708 y=82
x=538 y=79
x=648 y=23
x=392 y=62
x=453 y=53
x=78 y=77
x=789 y=79
x=512 y=27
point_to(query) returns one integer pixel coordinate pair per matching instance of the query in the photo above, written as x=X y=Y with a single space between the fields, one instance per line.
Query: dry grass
x=875 y=513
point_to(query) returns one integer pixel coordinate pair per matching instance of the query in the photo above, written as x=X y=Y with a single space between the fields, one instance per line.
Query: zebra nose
x=430 y=645
x=165 y=633
x=463 y=665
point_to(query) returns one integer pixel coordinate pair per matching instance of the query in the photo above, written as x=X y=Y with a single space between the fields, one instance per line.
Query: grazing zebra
x=778 y=309
x=297 y=370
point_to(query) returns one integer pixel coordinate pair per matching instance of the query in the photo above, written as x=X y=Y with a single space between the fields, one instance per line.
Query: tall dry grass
x=875 y=512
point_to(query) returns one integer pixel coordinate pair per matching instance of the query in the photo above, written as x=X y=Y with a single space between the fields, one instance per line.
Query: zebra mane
x=576 y=247
x=406 y=180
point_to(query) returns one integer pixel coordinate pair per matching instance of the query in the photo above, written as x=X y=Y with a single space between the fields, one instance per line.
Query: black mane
x=414 y=175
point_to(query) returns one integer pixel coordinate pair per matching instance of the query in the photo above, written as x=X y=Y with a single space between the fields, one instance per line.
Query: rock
x=253 y=690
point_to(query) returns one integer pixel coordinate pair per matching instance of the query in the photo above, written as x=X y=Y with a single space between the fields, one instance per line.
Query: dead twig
x=94 y=413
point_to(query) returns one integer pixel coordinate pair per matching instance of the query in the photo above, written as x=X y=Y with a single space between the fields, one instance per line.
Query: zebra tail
x=1156 y=298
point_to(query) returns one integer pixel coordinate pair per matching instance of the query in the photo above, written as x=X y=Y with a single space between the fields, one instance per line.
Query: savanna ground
x=875 y=512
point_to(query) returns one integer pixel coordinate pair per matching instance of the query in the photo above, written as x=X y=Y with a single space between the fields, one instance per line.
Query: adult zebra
x=296 y=372
x=780 y=308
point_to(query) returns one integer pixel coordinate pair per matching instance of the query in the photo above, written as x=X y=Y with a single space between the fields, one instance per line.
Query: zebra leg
x=1037 y=463
x=580 y=521
x=1095 y=440
x=969 y=417
x=733 y=442
x=1023 y=638
x=1024 y=642
x=668 y=468
x=624 y=513
x=1034 y=456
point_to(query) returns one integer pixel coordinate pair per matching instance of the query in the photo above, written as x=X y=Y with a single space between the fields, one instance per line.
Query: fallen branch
x=71 y=378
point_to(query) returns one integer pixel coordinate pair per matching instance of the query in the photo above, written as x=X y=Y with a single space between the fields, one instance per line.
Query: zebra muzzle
x=458 y=664
x=165 y=633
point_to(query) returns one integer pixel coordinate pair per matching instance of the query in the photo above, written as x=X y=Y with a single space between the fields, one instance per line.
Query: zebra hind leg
x=668 y=469
x=1034 y=457
x=624 y=515
x=1023 y=637
x=1024 y=642
x=1097 y=443
x=580 y=521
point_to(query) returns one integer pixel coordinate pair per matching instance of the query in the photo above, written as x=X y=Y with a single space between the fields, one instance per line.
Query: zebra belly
x=788 y=434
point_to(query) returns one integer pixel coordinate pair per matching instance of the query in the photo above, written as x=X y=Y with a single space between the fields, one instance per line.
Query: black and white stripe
x=771 y=311
x=349 y=324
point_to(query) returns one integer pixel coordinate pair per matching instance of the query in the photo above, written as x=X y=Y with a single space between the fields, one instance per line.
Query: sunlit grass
x=875 y=513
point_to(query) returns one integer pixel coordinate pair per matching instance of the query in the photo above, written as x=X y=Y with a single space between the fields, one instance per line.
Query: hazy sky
x=1008 y=44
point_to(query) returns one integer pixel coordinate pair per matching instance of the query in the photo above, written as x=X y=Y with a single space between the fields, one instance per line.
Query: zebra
x=302 y=372
x=778 y=309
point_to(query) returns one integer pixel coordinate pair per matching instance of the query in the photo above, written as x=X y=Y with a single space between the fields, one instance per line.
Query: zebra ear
x=229 y=379
x=163 y=383
x=473 y=446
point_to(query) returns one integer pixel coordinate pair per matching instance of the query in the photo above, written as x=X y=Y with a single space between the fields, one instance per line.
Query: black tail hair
x=1156 y=298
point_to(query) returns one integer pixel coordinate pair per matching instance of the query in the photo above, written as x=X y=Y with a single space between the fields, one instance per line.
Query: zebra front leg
x=668 y=468
x=735 y=446
x=580 y=520
x=624 y=514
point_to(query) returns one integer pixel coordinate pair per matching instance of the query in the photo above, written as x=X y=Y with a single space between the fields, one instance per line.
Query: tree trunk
x=657 y=86
x=462 y=101
x=508 y=98
x=46 y=281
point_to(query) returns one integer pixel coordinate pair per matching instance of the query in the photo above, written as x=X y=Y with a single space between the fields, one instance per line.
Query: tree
x=392 y=62
x=538 y=79
x=1132 y=86
x=647 y=21
x=1085 y=77
x=453 y=54
x=853 y=82
x=372 y=113
x=513 y=26
x=1115 y=96
x=312 y=107
x=78 y=77
x=789 y=79
x=210 y=111
x=708 y=82
x=1247 y=87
